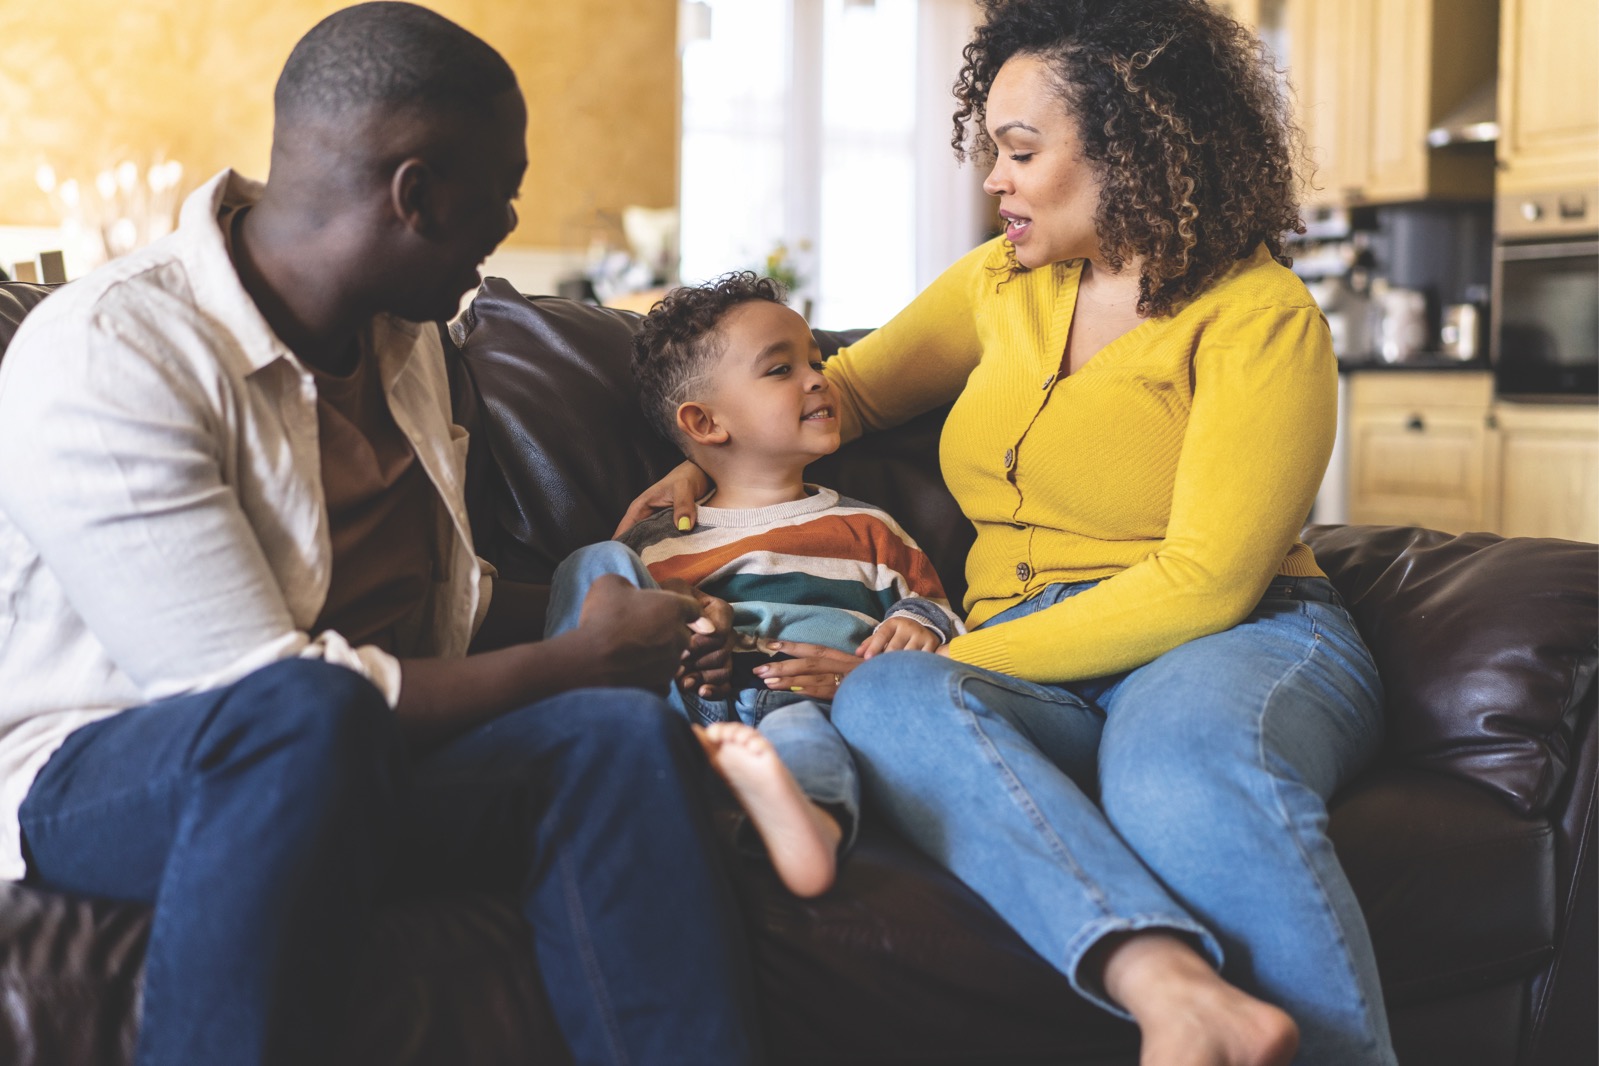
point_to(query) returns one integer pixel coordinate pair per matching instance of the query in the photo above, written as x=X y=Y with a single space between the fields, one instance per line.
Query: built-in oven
x=1545 y=312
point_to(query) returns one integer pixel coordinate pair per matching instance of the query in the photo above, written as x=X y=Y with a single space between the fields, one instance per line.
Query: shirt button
x=1023 y=571
x=1010 y=457
x=1049 y=381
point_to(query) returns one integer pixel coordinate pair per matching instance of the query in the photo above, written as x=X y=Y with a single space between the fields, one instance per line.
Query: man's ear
x=413 y=194
x=699 y=425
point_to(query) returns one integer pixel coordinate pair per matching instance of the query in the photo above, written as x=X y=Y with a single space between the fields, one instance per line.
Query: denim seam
x=1019 y=794
x=1331 y=916
x=591 y=962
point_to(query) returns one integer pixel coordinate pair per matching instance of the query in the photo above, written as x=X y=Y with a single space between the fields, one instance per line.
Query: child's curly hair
x=676 y=344
x=1180 y=112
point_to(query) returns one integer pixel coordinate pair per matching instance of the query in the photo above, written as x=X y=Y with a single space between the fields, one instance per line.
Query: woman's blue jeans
x=796 y=727
x=263 y=820
x=1188 y=795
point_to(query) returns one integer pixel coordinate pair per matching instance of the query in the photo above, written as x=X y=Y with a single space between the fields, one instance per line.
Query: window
x=822 y=126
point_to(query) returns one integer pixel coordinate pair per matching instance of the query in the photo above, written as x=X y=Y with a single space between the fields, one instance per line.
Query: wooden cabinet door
x=1329 y=64
x=1402 y=73
x=1420 y=450
x=1549 y=466
x=1548 y=94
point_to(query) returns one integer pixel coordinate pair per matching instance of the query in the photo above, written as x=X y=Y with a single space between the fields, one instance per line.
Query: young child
x=732 y=376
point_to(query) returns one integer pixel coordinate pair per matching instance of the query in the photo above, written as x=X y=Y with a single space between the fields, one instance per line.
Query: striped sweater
x=824 y=569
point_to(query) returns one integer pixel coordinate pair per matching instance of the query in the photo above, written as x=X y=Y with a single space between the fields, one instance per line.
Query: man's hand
x=899 y=634
x=709 y=668
x=633 y=638
x=815 y=669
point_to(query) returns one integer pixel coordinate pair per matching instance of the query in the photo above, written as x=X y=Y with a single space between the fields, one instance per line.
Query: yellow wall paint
x=84 y=83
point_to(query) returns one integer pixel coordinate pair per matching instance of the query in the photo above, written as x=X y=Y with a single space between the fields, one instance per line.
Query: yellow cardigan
x=1179 y=463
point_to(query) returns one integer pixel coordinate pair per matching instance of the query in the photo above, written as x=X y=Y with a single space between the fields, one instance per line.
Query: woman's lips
x=1015 y=226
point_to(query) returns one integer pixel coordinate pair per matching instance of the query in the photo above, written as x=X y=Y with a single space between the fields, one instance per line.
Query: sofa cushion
x=1487 y=647
x=17 y=298
x=1409 y=840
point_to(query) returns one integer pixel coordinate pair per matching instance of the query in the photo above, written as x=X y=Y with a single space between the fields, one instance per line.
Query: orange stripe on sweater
x=853 y=537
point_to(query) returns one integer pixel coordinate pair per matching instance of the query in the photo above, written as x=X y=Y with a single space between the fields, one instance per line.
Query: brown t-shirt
x=382 y=511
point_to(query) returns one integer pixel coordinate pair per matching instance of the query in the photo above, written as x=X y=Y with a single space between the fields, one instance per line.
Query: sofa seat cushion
x=902 y=963
x=1410 y=841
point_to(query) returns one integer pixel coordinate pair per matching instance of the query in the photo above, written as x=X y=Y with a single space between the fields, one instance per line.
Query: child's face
x=767 y=389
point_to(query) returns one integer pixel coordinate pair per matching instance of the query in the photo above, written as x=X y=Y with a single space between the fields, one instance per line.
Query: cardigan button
x=1010 y=457
x=1023 y=571
x=1049 y=381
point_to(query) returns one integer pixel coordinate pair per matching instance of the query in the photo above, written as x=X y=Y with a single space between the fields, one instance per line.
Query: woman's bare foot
x=1187 y=1014
x=801 y=839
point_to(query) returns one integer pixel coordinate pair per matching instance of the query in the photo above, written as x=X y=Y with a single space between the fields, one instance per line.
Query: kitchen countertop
x=1419 y=361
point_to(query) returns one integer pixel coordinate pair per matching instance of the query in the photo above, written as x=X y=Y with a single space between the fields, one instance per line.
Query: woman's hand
x=899 y=634
x=815 y=669
x=680 y=489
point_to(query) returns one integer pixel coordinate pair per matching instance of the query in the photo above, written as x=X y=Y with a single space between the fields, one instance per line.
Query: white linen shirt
x=163 y=528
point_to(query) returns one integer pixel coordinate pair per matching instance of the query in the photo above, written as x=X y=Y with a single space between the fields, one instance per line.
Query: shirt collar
x=204 y=249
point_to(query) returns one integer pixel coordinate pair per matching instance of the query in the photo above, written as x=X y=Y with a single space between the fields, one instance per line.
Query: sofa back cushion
x=17 y=298
x=1486 y=647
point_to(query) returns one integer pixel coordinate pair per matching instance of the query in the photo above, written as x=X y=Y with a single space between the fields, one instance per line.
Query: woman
x=1129 y=755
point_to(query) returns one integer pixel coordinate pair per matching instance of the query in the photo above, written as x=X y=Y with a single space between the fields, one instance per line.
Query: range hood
x=1475 y=121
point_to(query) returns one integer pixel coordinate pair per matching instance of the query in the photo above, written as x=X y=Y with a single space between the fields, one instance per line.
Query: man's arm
x=626 y=637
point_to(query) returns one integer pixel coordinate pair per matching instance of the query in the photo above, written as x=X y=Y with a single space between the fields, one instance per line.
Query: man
x=237 y=594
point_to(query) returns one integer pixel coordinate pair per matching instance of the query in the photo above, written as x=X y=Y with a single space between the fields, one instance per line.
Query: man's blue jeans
x=1188 y=795
x=263 y=819
x=796 y=727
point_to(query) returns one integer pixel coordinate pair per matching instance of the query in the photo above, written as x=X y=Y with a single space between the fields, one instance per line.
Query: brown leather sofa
x=1470 y=843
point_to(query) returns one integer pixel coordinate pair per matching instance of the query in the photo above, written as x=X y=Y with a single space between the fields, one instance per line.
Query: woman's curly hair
x=676 y=344
x=1181 y=114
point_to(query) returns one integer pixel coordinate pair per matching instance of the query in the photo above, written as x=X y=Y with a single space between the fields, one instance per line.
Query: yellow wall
x=84 y=83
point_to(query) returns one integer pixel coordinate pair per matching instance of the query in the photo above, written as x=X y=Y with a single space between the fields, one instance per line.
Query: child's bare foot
x=1188 y=1015
x=801 y=839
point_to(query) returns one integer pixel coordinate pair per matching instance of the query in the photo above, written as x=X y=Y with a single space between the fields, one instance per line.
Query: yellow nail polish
x=796 y=688
x=685 y=523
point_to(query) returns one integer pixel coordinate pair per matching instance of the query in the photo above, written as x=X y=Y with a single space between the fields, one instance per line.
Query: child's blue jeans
x=797 y=727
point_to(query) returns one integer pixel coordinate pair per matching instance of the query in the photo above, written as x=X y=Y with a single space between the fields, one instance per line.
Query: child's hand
x=899 y=634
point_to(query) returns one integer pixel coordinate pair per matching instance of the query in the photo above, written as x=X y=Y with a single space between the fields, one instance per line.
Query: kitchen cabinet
x=1371 y=78
x=1548 y=95
x=1549 y=470
x=1436 y=449
x=1421 y=450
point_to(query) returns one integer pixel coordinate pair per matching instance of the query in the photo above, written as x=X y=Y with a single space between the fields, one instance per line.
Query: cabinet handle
x=1491 y=421
x=1416 y=425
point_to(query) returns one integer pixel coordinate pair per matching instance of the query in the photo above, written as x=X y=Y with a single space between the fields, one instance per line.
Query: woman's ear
x=699 y=425
x=413 y=191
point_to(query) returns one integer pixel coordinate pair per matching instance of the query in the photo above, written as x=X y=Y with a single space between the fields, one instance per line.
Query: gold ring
x=838 y=679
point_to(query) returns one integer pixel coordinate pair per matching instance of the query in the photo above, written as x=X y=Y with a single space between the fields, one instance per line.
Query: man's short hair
x=392 y=55
x=674 y=348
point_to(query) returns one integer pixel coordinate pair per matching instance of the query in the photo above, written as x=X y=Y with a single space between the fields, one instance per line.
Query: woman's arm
x=922 y=356
x=1259 y=435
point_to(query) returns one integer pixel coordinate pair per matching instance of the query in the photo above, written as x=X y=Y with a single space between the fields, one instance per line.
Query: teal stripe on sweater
x=804 y=589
